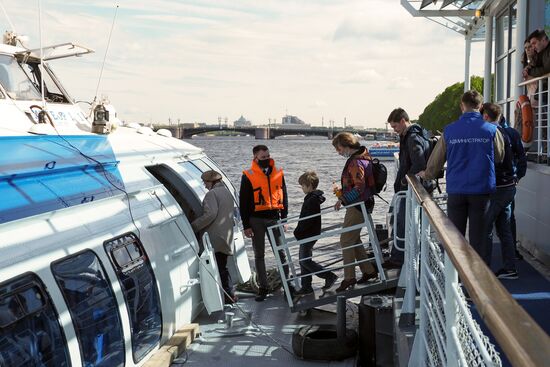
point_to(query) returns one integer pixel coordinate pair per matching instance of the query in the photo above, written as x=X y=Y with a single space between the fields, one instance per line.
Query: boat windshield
x=15 y=81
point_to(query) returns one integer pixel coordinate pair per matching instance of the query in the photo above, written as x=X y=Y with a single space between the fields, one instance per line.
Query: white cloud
x=197 y=60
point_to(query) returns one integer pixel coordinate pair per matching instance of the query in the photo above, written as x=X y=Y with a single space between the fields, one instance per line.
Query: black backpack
x=380 y=174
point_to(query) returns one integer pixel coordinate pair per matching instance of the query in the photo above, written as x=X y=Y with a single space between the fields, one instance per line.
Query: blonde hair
x=309 y=178
x=346 y=140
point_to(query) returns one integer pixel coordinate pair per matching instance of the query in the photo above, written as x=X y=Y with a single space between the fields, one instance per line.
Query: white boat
x=99 y=265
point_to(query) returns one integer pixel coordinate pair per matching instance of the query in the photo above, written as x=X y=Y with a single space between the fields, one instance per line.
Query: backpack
x=432 y=141
x=380 y=173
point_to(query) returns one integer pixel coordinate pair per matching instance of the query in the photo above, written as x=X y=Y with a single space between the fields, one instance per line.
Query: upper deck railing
x=537 y=91
x=448 y=335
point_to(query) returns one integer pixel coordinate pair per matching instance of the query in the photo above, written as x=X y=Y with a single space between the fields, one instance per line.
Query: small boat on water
x=384 y=151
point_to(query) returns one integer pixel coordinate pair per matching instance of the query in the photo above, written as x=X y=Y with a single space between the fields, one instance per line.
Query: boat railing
x=328 y=253
x=539 y=95
x=440 y=264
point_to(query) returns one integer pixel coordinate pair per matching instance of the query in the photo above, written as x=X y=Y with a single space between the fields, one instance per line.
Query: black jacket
x=414 y=150
x=246 y=204
x=504 y=171
x=312 y=226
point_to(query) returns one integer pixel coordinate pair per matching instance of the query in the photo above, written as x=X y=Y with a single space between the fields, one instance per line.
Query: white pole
x=467 y=63
x=487 y=84
x=521 y=35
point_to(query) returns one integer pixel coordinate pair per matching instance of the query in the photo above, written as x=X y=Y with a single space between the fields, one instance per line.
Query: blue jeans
x=499 y=215
x=308 y=266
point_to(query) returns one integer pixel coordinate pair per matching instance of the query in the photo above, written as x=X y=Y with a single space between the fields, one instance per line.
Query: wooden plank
x=176 y=345
x=520 y=337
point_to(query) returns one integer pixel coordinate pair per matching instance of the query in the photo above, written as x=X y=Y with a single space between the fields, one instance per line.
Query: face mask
x=345 y=154
x=263 y=163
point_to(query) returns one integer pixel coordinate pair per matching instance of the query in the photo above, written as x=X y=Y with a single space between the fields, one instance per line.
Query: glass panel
x=121 y=256
x=30 y=334
x=513 y=43
x=499 y=37
x=501 y=80
x=15 y=81
x=141 y=295
x=513 y=74
x=134 y=251
x=93 y=308
x=192 y=176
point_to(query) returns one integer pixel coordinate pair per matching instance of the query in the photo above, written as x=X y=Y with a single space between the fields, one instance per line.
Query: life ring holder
x=527 y=124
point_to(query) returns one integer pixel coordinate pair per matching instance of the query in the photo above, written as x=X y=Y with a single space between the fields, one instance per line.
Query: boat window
x=139 y=287
x=30 y=334
x=93 y=309
x=206 y=164
x=14 y=80
x=52 y=93
x=180 y=189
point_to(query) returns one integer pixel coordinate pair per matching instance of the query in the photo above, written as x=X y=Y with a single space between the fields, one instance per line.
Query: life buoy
x=527 y=125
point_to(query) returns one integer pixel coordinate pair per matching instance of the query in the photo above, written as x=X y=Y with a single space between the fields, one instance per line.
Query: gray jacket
x=217 y=218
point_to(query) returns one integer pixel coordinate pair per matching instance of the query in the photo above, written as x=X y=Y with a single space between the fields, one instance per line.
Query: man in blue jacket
x=471 y=146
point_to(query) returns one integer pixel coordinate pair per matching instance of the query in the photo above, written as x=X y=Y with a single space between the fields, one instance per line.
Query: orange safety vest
x=267 y=190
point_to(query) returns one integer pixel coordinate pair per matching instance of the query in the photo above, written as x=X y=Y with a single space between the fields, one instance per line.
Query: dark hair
x=492 y=110
x=472 y=99
x=398 y=114
x=309 y=178
x=346 y=140
x=259 y=147
x=539 y=34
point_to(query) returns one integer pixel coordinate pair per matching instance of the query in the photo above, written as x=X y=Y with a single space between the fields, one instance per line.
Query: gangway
x=328 y=253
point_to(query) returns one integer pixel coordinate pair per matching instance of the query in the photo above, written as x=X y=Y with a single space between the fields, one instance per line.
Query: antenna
x=105 y=56
x=8 y=18
x=41 y=115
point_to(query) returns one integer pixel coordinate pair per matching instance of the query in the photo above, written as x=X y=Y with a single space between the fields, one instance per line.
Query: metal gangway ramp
x=328 y=253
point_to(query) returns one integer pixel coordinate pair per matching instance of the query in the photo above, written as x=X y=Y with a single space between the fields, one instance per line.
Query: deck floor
x=215 y=348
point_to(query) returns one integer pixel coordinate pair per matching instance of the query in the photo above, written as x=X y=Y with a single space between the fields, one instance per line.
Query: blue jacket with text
x=470 y=155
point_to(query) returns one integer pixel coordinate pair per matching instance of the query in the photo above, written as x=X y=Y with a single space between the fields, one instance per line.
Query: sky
x=198 y=60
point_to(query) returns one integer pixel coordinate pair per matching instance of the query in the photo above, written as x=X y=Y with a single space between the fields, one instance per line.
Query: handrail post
x=409 y=299
x=274 y=245
x=451 y=281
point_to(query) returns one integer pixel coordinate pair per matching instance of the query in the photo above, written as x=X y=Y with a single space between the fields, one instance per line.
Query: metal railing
x=328 y=253
x=441 y=263
x=538 y=92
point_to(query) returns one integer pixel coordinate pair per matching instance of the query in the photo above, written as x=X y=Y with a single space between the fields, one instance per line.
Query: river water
x=234 y=154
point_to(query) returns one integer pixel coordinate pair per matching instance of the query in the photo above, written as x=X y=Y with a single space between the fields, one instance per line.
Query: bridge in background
x=263 y=132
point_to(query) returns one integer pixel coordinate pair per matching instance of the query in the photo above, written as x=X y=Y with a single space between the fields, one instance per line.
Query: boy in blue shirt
x=309 y=228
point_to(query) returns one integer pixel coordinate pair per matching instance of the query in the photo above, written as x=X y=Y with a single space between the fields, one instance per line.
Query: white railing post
x=539 y=122
x=419 y=352
x=409 y=299
x=451 y=281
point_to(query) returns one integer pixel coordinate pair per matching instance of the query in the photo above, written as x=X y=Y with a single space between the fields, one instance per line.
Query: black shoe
x=262 y=294
x=304 y=291
x=366 y=277
x=392 y=264
x=507 y=274
x=329 y=282
x=292 y=290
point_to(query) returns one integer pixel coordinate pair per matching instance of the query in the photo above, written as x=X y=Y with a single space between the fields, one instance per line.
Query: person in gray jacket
x=217 y=221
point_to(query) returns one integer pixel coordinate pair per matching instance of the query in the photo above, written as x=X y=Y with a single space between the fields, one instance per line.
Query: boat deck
x=531 y=291
x=248 y=346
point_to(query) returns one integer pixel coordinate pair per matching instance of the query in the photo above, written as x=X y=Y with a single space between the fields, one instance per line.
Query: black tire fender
x=319 y=342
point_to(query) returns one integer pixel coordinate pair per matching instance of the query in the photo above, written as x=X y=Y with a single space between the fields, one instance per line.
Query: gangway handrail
x=523 y=341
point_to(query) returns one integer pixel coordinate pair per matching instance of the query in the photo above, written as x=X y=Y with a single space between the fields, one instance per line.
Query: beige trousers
x=347 y=239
